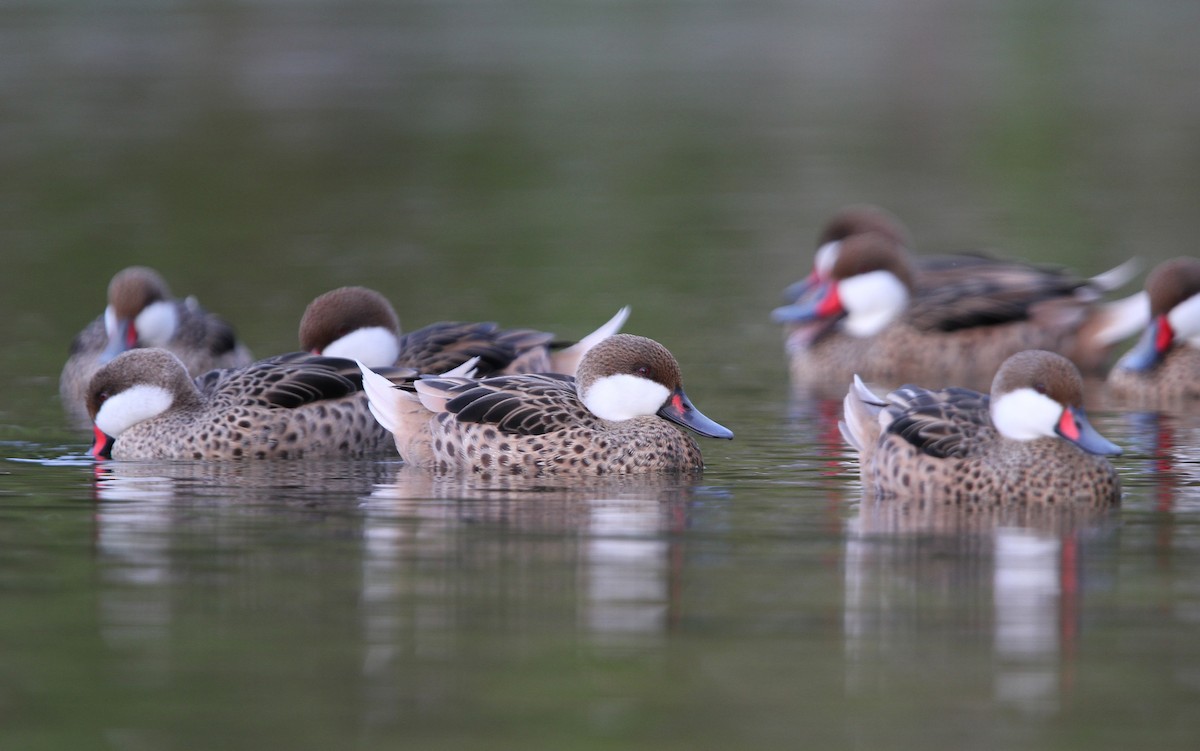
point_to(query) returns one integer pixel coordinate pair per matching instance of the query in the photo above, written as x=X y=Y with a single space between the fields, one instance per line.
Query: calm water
x=542 y=164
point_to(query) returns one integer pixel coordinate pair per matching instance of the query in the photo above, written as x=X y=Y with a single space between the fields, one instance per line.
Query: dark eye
x=643 y=370
x=1039 y=387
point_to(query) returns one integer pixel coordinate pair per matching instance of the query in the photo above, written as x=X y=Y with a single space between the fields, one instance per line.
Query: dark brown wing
x=940 y=423
x=961 y=291
x=443 y=346
x=525 y=404
x=290 y=381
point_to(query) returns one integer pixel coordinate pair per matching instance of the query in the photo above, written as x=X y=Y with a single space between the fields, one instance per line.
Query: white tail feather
x=1117 y=277
x=567 y=361
x=1123 y=318
x=466 y=370
x=861 y=425
x=385 y=400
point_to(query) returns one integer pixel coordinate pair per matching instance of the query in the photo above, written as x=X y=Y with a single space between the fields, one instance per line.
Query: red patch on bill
x=1165 y=335
x=1067 y=426
x=831 y=304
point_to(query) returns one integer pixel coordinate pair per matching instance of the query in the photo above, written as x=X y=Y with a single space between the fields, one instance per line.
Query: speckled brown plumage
x=941 y=447
x=538 y=423
x=902 y=352
x=1163 y=370
x=1175 y=382
x=287 y=407
x=202 y=340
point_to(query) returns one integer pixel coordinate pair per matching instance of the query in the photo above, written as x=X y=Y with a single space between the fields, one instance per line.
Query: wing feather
x=522 y=404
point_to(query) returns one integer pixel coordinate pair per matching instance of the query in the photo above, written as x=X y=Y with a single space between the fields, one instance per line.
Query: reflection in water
x=444 y=555
x=163 y=525
x=132 y=538
x=1010 y=576
x=1030 y=602
x=620 y=535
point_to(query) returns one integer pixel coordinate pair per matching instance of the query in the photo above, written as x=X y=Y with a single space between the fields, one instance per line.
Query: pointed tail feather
x=1121 y=319
x=467 y=370
x=1116 y=277
x=386 y=401
x=861 y=425
x=567 y=361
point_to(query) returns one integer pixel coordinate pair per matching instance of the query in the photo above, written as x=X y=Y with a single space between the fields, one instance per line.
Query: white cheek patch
x=156 y=324
x=110 y=321
x=1185 y=320
x=374 y=346
x=872 y=301
x=133 y=405
x=623 y=396
x=1024 y=415
x=826 y=256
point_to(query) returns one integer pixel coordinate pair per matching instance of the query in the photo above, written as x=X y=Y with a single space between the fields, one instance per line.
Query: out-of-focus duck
x=1163 y=368
x=142 y=313
x=869 y=307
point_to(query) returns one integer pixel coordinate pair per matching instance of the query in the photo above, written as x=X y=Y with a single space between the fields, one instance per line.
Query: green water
x=542 y=164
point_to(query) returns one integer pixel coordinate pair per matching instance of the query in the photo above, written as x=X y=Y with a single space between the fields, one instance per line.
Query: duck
x=1027 y=442
x=619 y=415
x=359 y=322
x=141 y=312
x=145 y=405
x=1163 y=368
x=870 y=307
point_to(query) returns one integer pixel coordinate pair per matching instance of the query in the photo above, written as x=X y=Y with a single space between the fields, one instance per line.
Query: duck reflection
x=452 y=561
x=1012 y=576
x=613 y=542
x=165 y=528
x=1163 y=444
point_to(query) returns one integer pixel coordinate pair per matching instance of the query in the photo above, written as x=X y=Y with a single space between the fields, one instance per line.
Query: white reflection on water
x=931 y=578
x=615 y=534
x=133 y=526
x=625 y=564
x=1030 y=605
x=433 y=546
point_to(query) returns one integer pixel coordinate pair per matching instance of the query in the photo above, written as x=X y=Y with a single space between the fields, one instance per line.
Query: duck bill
x=102 y=445
x=798 y=290
x=123 y=338
x=680 y=410
x=1151 y=348
x=819 y=304
x=1074 y=426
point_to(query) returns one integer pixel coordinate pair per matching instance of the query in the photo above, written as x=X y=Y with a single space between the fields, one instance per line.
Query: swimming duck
x=1028 y=442
x=619 y=415
x=145 y=405
x=1163 y=368
x=870 y=308
x=142 y=313
x=360 y=323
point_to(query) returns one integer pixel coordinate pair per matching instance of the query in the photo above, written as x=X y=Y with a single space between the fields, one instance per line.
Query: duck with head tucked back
x=1029 y=442
x=142 y=313
x=145 y=405
x=870 y=307
x=360 y=323
x=1163 y=368
x=620 y=415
